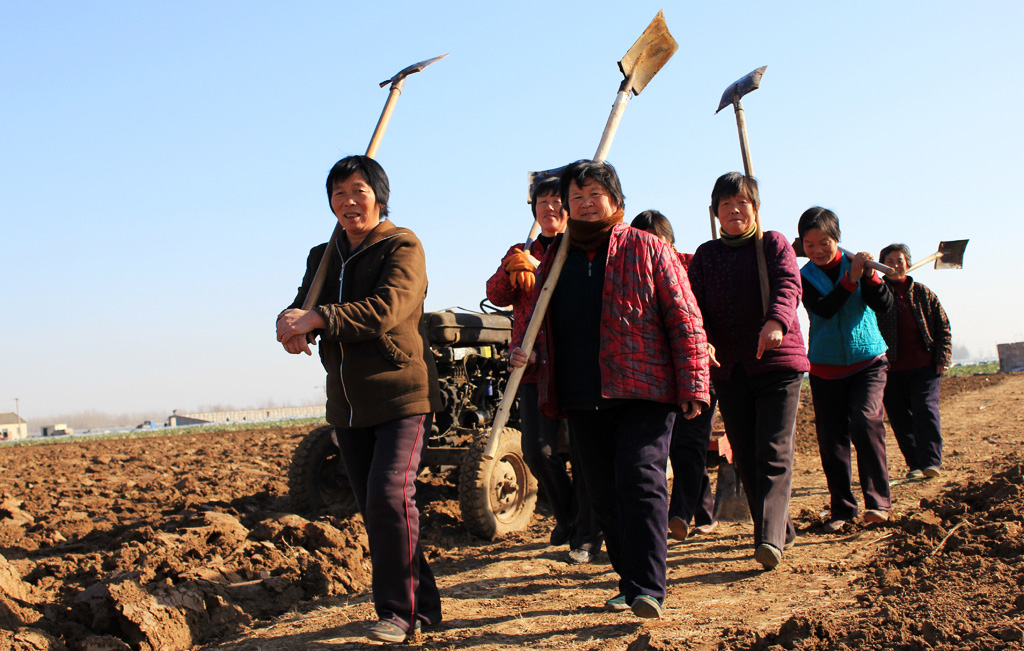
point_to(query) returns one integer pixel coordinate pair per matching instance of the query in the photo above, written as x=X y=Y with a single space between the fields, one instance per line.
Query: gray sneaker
x=768 y=556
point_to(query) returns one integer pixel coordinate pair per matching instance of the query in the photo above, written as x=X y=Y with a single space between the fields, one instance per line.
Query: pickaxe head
x=740 y=88
x=405 y=72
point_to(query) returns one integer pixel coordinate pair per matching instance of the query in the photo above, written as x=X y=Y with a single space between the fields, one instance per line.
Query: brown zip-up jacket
x=375 y=351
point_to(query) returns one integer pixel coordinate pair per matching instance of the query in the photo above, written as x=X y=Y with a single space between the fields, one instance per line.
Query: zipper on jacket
x=341 y=286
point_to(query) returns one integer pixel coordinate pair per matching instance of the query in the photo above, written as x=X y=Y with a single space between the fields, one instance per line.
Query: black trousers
x=912 y=403
x=567 y=495
x=692 y=497
x=623 y=453
x=382 y=463
x=849 y=411
x=760 y=420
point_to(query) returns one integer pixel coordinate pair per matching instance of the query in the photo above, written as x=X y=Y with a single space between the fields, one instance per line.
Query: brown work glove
x=520 y=270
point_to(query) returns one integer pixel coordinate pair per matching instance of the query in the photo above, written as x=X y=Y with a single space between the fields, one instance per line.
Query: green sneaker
x=647 y=607
x=617 y=604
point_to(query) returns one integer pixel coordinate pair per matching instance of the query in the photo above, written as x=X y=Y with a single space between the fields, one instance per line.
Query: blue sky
x=162 y=164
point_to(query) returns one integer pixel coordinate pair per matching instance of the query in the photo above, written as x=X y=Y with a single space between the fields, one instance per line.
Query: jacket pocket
x=391 y=352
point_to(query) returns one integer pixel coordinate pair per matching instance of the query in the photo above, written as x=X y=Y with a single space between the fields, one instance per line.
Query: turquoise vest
x=849 y=337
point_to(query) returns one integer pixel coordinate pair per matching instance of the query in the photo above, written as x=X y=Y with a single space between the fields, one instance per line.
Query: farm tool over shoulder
x=949 y=256
x=639 y=65
x=397 y=84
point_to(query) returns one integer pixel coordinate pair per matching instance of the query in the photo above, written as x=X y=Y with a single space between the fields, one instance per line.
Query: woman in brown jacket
x=382 y=386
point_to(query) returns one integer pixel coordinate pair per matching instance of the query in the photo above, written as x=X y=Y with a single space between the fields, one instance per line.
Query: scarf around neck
x=738 y=240
x=591 y=236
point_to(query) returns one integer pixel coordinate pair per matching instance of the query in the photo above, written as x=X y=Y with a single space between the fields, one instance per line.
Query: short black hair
x=902 y=248
x=372 y=173
x=656 y=224
x=545 y=186
x=583 y=170
x=734 y=184
x=821 y=218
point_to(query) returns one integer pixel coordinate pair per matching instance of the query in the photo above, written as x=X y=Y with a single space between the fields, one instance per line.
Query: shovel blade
x=416 y=67
x=952 y=254
x=741 y=87
x=649 y=54
x=532 y=178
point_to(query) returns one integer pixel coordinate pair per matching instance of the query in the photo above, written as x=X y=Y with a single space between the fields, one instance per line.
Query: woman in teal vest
x=848 y=367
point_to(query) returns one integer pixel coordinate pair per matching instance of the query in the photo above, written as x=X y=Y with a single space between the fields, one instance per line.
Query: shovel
x=798 y=248
x=732 y=95
x=639 y=65
x=949 y=256
x=397 y=84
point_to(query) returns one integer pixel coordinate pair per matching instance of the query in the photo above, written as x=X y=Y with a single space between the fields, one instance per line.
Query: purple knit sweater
x=725 y=282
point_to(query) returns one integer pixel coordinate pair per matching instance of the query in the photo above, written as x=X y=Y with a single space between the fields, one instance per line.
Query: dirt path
x=183 y=542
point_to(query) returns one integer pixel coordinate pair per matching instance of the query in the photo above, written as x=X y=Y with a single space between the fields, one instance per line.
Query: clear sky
x=162 y=164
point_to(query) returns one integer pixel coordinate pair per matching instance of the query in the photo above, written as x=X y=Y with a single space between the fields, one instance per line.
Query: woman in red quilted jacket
x=621 y=351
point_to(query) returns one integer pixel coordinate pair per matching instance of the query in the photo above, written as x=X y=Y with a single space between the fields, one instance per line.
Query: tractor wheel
x=497 y=496
x=316 y=477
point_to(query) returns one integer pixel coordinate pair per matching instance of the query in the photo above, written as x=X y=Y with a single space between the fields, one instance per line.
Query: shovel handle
x=921 y=263
x=512 y=386
x=871 y=264
x=762 y=264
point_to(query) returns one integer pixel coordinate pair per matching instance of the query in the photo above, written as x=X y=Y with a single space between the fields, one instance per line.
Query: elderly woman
x=920 y=346
x=692 y=499
x=622 y=349
x=512 y=284
x=848 y=367
x=760 y=353
x=382 y=386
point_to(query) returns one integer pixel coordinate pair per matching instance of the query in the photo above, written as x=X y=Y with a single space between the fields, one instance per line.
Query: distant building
x=242 y=415
x=1011 y=357
x=58 y=429
x=12 y=427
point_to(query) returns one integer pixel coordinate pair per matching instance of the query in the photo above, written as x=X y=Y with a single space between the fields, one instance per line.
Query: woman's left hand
x=691 y=409
x=297 y=322
x=770 y=337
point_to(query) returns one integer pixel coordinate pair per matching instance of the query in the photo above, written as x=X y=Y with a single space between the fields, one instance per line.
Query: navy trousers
x=568 y=496
x=382 y=463
x=692 y=498
x=623 y=453
x=849 y=411
x=912 y=403
x=760 y=420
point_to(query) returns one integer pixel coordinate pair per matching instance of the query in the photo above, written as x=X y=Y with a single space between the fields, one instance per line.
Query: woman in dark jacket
x=760 y=353
x=512 y=284
x=382 y=386
x=920 y=347
x=622 y=349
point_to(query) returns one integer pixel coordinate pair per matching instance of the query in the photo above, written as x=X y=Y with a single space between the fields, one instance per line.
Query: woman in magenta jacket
x=760 y=353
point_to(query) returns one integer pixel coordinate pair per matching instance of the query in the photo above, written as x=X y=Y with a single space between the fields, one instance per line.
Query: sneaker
x=580 y=556
x=768 y=556
x=915 y=474
x=387 y=632
x=559 y=535
x=705 y=529
x=931 y=472
x=617 y=604
x=789 y=544
x=677 y=528
x=876 y=515
x=833 y=526
x=646 y=606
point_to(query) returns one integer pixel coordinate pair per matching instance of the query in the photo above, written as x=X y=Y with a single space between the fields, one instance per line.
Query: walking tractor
x=497 y=493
